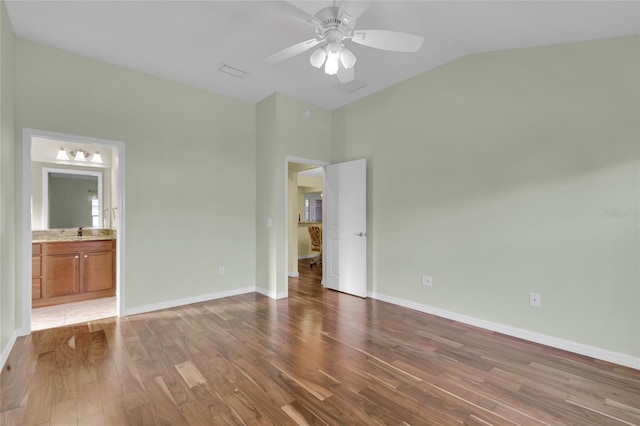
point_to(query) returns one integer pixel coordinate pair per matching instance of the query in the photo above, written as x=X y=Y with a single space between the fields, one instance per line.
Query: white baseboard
x=7 y=350
x=187 y=301
x=293 y=274
x=567 y=345
x=271 y=294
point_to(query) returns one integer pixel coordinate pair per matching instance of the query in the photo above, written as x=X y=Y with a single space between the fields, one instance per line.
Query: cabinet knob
x=85 y=256
x=76 y=257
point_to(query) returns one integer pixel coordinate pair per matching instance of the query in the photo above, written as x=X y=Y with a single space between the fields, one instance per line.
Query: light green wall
x=494 y=174
x=282 y=131
x=8 y=223
x=266 y=189
x=190 y=175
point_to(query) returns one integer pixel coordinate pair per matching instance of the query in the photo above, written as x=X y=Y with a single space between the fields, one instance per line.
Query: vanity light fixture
x=79 y=155
x=97 y=158
x=62 y=154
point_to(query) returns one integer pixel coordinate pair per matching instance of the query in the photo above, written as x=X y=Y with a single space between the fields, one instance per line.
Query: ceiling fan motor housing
x=331 y=27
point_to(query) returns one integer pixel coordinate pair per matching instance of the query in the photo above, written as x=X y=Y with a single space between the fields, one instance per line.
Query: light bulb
x=62 y=154
x=317 y=58
x=97 y=158
x=333 y=55
x=80 y=156
x=347 y=58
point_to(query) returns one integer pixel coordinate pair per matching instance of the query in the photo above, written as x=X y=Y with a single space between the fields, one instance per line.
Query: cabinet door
x=36 y=288
x=36 y=277
x=62 y=275
x=97 y=271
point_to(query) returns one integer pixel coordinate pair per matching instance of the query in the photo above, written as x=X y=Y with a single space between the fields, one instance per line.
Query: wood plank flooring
x=316 y=358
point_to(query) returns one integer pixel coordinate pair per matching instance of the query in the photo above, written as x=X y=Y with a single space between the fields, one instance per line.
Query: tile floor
x=72 y=313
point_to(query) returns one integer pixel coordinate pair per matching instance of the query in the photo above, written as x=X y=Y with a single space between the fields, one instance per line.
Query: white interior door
x=345 y=228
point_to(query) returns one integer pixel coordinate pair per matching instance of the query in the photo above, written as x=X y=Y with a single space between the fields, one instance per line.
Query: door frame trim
x=299 y=160
x=25 y=236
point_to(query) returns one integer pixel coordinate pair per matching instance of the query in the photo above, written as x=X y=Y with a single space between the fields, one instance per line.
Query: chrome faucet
x=80 y=231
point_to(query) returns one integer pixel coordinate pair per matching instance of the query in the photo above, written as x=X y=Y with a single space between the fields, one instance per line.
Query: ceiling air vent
x=236 y=72
x=350 y=87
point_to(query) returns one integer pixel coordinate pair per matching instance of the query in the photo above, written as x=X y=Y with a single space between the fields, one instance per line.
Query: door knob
x=360 y=234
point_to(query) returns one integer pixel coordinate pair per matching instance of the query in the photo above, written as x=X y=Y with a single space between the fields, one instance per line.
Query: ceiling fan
x=334 y=26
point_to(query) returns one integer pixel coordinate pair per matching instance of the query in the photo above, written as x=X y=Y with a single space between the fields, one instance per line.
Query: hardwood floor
x=318 y=357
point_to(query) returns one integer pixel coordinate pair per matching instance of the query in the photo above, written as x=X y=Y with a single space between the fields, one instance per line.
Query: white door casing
x=345 y=228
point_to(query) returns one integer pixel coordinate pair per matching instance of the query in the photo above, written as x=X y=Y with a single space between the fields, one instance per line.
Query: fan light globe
x=331 y=67
x=347 y=58
x=317 y=58
x=333 y=56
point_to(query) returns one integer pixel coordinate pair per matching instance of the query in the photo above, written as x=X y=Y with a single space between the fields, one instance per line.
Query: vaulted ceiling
x=189 y=41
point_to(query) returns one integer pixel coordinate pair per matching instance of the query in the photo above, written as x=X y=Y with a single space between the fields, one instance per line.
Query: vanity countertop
x=90 y=234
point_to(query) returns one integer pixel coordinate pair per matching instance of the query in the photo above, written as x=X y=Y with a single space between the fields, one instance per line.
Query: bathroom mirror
x=71 y=199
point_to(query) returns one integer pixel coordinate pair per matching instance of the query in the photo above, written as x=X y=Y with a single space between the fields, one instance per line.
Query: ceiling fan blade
x=388 y=40
x=346 y=75
x=291 y=51
x=305 y=7
x=354 y=8
x=302 y=11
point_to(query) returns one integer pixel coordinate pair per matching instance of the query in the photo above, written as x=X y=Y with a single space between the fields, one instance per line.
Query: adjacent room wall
x=292 y=233
x=190 y=168
x=8 y=225
x=506 y=173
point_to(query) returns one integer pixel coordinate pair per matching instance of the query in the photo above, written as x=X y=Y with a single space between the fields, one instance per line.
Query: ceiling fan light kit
x=317 y=58
x=333 y=27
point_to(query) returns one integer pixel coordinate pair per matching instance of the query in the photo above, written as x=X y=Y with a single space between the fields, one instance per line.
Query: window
x=95 y=209
x=318 y=211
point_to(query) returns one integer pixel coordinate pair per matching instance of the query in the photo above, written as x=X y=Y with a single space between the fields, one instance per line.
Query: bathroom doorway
x=86 y=219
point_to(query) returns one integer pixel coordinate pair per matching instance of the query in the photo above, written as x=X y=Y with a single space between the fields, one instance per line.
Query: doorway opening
x=304 y=209
x=344 y=232
x=73 y=229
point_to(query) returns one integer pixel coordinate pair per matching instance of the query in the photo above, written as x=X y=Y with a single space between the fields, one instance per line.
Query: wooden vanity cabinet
x=36 y=271
x=98 y=271
x=62 y=275
x=76 y=270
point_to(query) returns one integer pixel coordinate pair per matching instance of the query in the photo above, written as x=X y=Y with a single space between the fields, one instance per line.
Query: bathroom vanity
x=72 y=268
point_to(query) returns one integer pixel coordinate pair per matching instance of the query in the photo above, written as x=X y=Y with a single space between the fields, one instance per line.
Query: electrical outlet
x=535 y=300
x=427 y=280
x=221 y=270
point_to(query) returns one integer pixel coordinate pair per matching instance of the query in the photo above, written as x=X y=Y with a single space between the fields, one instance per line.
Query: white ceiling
x=188 y=41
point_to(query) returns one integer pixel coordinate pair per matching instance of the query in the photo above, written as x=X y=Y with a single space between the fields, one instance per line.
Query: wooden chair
x=315 y=232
